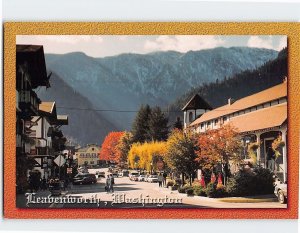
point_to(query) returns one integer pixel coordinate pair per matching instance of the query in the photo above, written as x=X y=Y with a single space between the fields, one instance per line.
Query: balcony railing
x=28 y=100
x=41 y=151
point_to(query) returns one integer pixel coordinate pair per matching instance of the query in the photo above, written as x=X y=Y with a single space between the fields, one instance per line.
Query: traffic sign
x=60 y=160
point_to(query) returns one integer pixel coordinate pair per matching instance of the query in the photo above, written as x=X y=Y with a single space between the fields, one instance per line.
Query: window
x=81 y=155
x=91 y=162
x=202 y=125
x=208 y=123
x=190 y=117
x=216 y=121
x=224 y=118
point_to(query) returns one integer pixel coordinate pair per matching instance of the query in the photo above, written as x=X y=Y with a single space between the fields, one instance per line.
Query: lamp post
x=151 y=164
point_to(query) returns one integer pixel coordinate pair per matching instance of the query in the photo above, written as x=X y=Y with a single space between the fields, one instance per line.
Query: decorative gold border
x=11 y=30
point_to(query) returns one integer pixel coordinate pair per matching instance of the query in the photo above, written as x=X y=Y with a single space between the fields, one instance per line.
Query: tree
x=109 y=146
x=181 y=155
x=178 y=124
x=123 y=147
x=140 y=125
x=146 y=155
x=218 y=147
x=158 y=125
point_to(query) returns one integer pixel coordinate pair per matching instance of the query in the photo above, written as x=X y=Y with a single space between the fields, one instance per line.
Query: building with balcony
x=260 y=118
x=48 y=137
x=30 y=74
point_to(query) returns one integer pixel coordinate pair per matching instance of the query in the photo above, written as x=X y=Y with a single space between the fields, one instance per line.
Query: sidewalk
x=247 y=199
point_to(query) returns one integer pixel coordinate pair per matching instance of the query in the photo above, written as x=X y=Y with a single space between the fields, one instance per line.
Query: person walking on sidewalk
x=165 y=179
x=112 y=182
x=160 y=179
x=107 y=184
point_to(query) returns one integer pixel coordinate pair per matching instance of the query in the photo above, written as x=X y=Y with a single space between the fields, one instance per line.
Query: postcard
x=151 y=120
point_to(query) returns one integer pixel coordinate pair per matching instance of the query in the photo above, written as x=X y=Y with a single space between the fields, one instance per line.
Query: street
x=132 y=194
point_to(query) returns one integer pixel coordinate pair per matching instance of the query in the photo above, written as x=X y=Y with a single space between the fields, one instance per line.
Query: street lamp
x=151 y=164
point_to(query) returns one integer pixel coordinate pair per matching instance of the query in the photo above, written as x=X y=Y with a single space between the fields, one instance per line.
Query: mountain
x=238 y=86
x=84 y=126
x=120 y=84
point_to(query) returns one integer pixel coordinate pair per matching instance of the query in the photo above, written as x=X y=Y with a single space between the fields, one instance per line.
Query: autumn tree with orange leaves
x=219 y=146
x=109 y=149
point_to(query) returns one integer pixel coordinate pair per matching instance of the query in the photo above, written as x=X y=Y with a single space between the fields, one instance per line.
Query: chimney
x=230 y=101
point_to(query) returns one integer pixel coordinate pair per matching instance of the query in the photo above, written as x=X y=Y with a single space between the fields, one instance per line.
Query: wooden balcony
x=28 y=102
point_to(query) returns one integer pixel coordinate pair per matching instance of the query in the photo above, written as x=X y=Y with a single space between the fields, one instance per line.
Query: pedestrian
x=44 y=184
x=107 y=184
x=160 y=180
x=165 y=179
x=112 y=182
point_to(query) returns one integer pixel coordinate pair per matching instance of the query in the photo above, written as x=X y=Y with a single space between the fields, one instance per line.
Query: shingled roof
x=264 y=118
x=273 y=93
x=196 y=102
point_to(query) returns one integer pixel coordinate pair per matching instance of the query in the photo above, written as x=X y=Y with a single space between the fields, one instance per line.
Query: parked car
x=152 y=179
x=85 y=178
x=280 y=191
x=100 y=174
x=133 y=173
x=141 y=178
x=134 y=177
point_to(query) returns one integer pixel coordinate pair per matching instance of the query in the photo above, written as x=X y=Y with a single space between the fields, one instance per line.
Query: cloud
x=282 y=43
x=183 y=43
x=68 y=39
x=259 y=42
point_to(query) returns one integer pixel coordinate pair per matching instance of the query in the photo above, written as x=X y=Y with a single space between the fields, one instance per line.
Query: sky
x=110 y=45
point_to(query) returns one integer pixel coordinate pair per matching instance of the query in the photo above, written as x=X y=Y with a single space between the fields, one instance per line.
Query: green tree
x=178 y=124
x=140 y=125
x=158 y=125
x=181 y=155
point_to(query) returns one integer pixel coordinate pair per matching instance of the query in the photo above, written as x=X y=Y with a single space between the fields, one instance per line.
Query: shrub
x=210 y=189
x=244 y=183
x=263 y=181
x=199 y=190
x=213 y=191
x=183 y=188
x=189 y=191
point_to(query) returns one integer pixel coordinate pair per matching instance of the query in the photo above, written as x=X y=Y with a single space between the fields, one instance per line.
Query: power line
x=134 y=111
x=107 y=110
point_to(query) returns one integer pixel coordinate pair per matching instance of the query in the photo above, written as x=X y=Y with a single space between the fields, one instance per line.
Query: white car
x=152 y=179
x=141 y=178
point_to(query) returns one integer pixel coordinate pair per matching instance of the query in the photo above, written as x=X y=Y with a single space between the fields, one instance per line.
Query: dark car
x=85 y=179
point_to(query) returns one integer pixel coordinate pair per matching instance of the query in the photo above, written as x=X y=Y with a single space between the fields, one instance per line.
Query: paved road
x=138 y=193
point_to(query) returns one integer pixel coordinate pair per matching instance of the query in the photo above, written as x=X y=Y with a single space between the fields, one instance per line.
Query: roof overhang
x=33 y=56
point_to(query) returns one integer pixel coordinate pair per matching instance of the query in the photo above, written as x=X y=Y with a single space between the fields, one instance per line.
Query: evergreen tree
x=158 y=125
x=178 y=124
x=140 y=125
